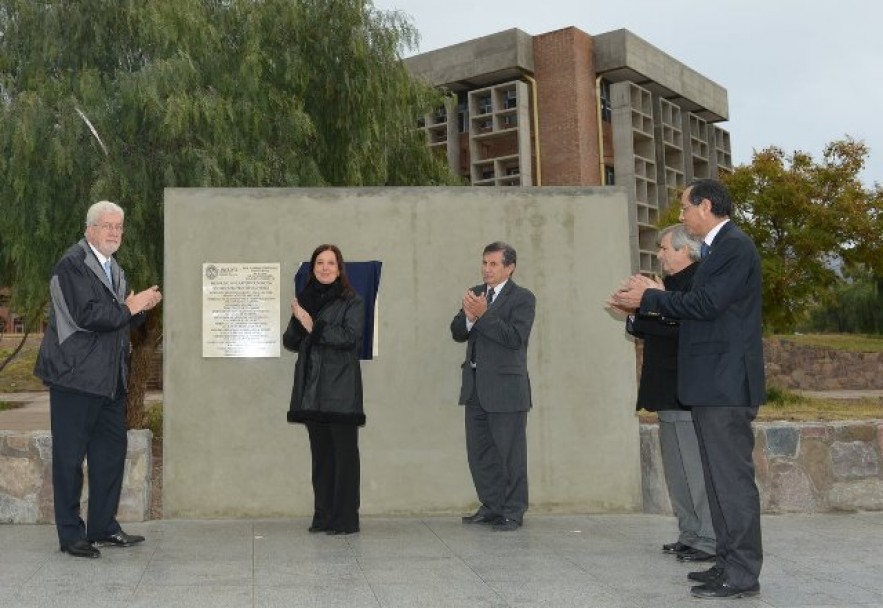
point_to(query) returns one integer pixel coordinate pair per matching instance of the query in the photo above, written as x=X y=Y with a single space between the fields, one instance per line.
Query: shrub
x=153 y=420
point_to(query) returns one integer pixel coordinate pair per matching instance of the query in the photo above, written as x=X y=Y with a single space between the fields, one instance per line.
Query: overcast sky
x=799 y=73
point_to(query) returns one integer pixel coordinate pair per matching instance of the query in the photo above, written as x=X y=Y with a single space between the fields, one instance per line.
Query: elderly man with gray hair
x=678 y=256
x=83 y=361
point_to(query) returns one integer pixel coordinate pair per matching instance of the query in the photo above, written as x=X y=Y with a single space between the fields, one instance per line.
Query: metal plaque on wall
x=240 y=310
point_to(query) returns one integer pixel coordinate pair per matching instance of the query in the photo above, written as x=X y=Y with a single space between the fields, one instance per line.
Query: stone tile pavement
x=555 y=561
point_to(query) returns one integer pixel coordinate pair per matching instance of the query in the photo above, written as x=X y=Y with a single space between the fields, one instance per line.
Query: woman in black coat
x=327 y=318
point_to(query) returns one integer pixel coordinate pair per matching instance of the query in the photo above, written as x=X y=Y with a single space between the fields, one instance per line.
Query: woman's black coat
x=327 y=376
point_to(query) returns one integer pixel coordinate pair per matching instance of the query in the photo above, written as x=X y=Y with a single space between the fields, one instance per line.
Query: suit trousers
x=685 y=479
x=335 y=456
x=91 y=427
x=726 y=444
x=496 y=447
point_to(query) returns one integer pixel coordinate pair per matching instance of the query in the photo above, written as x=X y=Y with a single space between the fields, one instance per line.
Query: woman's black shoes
x=339 y=532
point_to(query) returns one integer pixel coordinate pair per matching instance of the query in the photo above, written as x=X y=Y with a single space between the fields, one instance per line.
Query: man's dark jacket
x=498 y=345
x=658 y=389
x=86 y=345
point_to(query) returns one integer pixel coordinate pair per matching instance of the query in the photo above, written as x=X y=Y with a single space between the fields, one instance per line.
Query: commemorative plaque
x=240 y=310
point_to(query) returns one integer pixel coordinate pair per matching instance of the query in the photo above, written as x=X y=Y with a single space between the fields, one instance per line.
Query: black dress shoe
x=707 y=576
x=481 y=518
x=677 y=547
x=723 y=590
x=315 y=529
x=81 y=548
x=696 y=555
x=120 y=539
x=504 y=524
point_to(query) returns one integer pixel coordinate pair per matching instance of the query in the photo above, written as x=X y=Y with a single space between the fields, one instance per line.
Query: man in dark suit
x=495 y=322
x=83 y=361
x=721 y=376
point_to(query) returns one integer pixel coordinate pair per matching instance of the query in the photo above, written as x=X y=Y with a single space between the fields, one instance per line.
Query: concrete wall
x=477 y=62
x=228 y=451
x=623 y=51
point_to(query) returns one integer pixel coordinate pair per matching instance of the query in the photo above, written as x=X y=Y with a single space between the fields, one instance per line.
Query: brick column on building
x=564 y=68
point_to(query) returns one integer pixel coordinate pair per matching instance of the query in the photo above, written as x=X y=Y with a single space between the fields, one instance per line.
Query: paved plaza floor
x=554 y=561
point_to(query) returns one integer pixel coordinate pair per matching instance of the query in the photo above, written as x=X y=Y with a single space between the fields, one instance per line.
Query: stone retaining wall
x=800 y=467
x=26 y=478
x=797 y=366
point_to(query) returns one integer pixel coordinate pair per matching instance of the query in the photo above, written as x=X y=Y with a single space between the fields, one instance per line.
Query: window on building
x=606 y=107
x=609 y=177
x=462 y=118
x=511 y=100
x=463 y=112
x=484 y=105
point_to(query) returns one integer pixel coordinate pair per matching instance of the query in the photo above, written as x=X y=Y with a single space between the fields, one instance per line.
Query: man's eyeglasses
x=109 y=227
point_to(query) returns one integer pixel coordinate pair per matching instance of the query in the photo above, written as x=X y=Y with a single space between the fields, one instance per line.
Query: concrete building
x=566 y=108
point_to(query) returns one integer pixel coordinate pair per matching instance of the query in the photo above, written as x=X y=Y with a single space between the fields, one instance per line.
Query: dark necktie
x=489 y=296
x=704 y=250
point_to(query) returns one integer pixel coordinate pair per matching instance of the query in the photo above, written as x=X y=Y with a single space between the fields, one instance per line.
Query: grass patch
x=856 y=343
x=780 y=397
x=19 y=376
x=6 y=405
x=792 y=407
x=812 y=410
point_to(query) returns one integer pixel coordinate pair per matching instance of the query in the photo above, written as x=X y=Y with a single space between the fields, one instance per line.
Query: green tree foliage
x=855 y=306
x=208 y=93
x=804 y=215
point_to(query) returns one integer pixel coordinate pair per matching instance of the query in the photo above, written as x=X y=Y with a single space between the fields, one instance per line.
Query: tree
x=183 y=93
x=855 y=306
x=806 y=217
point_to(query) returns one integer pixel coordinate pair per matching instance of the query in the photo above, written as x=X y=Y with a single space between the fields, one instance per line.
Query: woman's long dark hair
x=348 y=290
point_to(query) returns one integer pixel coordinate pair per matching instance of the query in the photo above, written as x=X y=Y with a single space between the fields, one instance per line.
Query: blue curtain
x=365 y=279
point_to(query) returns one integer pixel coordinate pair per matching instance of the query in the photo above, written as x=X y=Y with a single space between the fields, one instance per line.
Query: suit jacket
x=499 y=340
x=720 y=355
x=658 y=389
